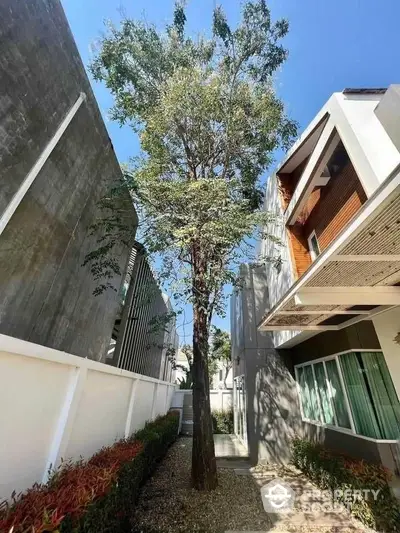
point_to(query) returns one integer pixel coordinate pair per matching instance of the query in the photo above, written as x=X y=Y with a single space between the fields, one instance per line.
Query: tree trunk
x=204 y=468
x=226 y=375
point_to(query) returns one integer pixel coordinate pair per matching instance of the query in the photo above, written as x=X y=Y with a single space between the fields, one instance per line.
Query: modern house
x=316 y=333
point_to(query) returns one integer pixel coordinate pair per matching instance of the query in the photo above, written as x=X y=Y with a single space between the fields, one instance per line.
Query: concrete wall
x=279 y=278
x=62 y=406
x=387 y=112
x=46 y=294
x=361 y=335
x=385 y=453
x=273 y=411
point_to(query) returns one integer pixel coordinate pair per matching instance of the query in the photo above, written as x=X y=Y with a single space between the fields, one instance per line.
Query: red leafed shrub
x=72 y=488
x=118 y=454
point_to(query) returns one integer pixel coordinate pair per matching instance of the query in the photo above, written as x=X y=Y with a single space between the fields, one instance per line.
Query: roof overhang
x=355 y=277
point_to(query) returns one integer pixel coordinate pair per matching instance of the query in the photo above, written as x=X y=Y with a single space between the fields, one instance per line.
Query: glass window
x=372 y=396
x=369 y=396
x=337 y=394
x=313 y=246
x=308 y=394
x=323 y=393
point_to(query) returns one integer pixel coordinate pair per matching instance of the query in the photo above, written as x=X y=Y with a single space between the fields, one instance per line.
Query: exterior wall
x=327 y=212
x=273 y=411
x=368 y=143
x=144 y=337
x=337 y=204
x=387 y=113
x=63 y=406
x=384 y=453
x=220 y=400
x=278 y=279
x=361 y=335
x=387 y=326
x=47 y=296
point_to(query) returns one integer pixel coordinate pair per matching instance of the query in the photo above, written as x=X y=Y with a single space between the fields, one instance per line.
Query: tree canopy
x=209 y=121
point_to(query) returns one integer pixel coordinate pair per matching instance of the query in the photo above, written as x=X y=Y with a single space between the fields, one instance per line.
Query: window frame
x=310 y=248
x=339 y=429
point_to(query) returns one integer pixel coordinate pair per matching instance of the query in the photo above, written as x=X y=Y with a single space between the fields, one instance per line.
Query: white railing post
x=66 y=418
x=130 y=408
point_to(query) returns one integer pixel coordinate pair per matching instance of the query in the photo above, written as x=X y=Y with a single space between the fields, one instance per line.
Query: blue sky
x=332 y=44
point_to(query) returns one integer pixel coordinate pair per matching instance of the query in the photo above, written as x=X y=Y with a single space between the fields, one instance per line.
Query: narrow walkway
x=168 y=504
x=228 y=446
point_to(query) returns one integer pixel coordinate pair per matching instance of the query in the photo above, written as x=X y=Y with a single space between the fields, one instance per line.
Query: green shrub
x=222 y=421
x=338 y=473
x=96 y=496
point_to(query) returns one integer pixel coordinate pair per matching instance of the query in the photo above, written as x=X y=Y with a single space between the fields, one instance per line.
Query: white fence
x=55 y=405
x=220 y=399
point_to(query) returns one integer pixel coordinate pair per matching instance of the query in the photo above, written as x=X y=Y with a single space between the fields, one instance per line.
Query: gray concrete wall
x=46 y=294
x=361 y=335
x=279 y=278
x=273 y=411
x=383 y=453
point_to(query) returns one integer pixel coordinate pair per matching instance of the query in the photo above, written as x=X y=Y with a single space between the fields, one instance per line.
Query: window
x=353 y=391
x=313 y=246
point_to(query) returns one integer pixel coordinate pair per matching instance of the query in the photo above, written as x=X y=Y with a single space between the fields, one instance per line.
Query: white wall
x=219 y=399
x=56 y=405
x=387 y=327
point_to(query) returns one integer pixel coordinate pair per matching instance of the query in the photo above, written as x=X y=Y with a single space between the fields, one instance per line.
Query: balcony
x=338 y=191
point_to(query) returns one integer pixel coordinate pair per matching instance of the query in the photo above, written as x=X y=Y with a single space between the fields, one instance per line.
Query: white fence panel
x=220 y=399
x=101 y=413
x=56 y=405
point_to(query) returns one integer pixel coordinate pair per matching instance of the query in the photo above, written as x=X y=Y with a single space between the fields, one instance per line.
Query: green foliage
x=209 y=121
x=222 y=421
x=332 y=471
x=96 y=496
x=221 y=350
x=186 y=382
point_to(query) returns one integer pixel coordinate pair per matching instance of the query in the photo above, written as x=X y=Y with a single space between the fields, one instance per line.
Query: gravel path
x=169 y=505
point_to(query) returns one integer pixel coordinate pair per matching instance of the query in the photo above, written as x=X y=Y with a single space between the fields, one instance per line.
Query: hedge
x=222 y=421
x=338 y=472
x=95 y=496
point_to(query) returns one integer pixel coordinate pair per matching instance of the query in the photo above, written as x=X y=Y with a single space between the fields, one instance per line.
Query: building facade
x=56 y=164
x=316 y=333
x=145 y=336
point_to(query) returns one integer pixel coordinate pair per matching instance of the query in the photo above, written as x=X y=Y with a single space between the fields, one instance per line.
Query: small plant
x=339 y=473
x=222 y=421
x=94 y=496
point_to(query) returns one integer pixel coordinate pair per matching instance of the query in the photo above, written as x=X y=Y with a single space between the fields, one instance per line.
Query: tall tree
x=209 y=121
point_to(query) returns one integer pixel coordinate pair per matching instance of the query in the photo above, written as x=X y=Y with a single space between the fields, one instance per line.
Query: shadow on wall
x=273 y=411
